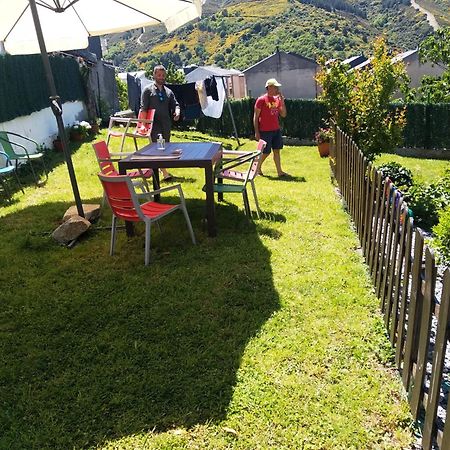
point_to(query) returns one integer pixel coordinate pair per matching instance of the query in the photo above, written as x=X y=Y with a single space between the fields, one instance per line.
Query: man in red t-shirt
x=268 y=108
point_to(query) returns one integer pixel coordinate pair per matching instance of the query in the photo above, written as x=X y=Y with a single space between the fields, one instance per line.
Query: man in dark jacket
x=159 y=97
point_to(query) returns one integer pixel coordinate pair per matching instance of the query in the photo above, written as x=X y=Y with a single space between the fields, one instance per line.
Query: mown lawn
x=266 y=337
x=423 y=170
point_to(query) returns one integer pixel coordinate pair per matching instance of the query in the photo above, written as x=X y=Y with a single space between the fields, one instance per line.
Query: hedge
x=303 y=120
x=428 y=125
x=23 y=85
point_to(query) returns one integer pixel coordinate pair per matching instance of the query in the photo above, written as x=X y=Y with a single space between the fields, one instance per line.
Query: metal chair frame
x=6 y=170
x=8 y=147
x=125 y=205
x=127 y=132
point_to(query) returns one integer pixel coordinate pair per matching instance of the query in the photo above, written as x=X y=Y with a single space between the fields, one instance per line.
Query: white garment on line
x=201 y=91
x=214 y=108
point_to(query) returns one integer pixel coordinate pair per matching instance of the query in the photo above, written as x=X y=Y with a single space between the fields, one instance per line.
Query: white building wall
x=41 y=125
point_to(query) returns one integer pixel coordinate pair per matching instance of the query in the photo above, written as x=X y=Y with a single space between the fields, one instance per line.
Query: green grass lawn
x=266 y=337
x=423 y=170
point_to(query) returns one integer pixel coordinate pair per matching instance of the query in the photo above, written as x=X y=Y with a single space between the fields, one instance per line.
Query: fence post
x=376 y=220
x=402 y=218
x=380 y=234
x=442 y=335
x=363 y=205
x=370 y=196
x=424 y=333
x=414 y=310
x=391 y=276
x=386 y=249
x=405 y=288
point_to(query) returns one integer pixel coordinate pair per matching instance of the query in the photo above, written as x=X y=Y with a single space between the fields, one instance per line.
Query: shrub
x=442 y=233
x=426 y=201
x=399 y=175
x=359 y=101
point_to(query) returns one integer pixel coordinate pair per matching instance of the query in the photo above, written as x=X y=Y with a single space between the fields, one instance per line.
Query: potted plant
x=80 y=130
x=57 y=144
x=95 y=125
x=323 y=137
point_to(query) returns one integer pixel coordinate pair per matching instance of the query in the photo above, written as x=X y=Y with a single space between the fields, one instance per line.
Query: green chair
x=6 y=168
x=232 y=160
x=18 y=152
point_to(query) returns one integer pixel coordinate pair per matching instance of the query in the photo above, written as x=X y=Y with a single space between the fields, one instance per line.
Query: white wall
x=41 y=126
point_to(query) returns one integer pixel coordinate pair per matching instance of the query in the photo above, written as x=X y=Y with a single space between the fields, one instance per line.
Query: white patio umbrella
x=67 y=24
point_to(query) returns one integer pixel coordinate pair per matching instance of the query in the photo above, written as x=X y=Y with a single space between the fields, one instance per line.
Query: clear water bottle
x=161 y=142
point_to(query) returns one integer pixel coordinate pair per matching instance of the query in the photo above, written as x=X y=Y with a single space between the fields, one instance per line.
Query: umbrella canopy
x=66 y=25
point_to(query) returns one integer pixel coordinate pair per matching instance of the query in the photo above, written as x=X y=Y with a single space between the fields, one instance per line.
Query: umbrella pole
x=55 y=103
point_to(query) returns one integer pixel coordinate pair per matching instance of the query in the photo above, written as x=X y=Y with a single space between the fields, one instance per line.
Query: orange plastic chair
x=142 y=127
x=106 y=163
x=238 y=157
x=125 y=205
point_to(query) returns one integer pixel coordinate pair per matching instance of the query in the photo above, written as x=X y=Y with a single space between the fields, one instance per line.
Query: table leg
x=156 y=184
x=210 y=207
x=219 y=181
x=129 y=226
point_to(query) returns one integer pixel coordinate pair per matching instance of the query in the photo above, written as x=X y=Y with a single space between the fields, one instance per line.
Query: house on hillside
x=355 y=61
x=366 y=64
x=296 y=73
x=417 y=70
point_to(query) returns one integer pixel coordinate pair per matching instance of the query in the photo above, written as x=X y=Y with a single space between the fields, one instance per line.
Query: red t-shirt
x=270 y=110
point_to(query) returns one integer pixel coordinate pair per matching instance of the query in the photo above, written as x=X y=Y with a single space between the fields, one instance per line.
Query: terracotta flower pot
x=76 y=136
x=95 y=128
x=57 y=145
x=324 y=149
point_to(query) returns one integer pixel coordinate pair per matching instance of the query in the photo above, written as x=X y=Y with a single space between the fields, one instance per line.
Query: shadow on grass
x=180 y=179
x=52 y=159
x=95 y=347
x=289 y=178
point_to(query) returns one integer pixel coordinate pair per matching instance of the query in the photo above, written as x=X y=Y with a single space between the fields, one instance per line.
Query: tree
x=174 y=76
x=122 y=93
x=436 y=48
x=359 y=101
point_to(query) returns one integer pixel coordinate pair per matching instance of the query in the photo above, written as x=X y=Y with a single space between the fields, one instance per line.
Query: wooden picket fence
x=404 y=275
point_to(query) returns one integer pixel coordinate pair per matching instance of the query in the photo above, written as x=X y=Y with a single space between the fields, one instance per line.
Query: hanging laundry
x=201 y=91
x=215 y=107
x=187 y=97
x=211 y=88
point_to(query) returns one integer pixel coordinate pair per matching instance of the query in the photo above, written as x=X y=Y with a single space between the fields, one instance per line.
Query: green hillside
x=239 y=33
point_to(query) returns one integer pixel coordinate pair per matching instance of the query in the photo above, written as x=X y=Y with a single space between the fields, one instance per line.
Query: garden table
x=177 y=155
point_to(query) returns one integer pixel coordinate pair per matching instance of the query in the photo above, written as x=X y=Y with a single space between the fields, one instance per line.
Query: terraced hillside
x=239 y=33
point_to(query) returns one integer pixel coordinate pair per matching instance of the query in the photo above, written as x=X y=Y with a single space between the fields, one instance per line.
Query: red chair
x=143 y=127
x=106 y=163
x=125 y=205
